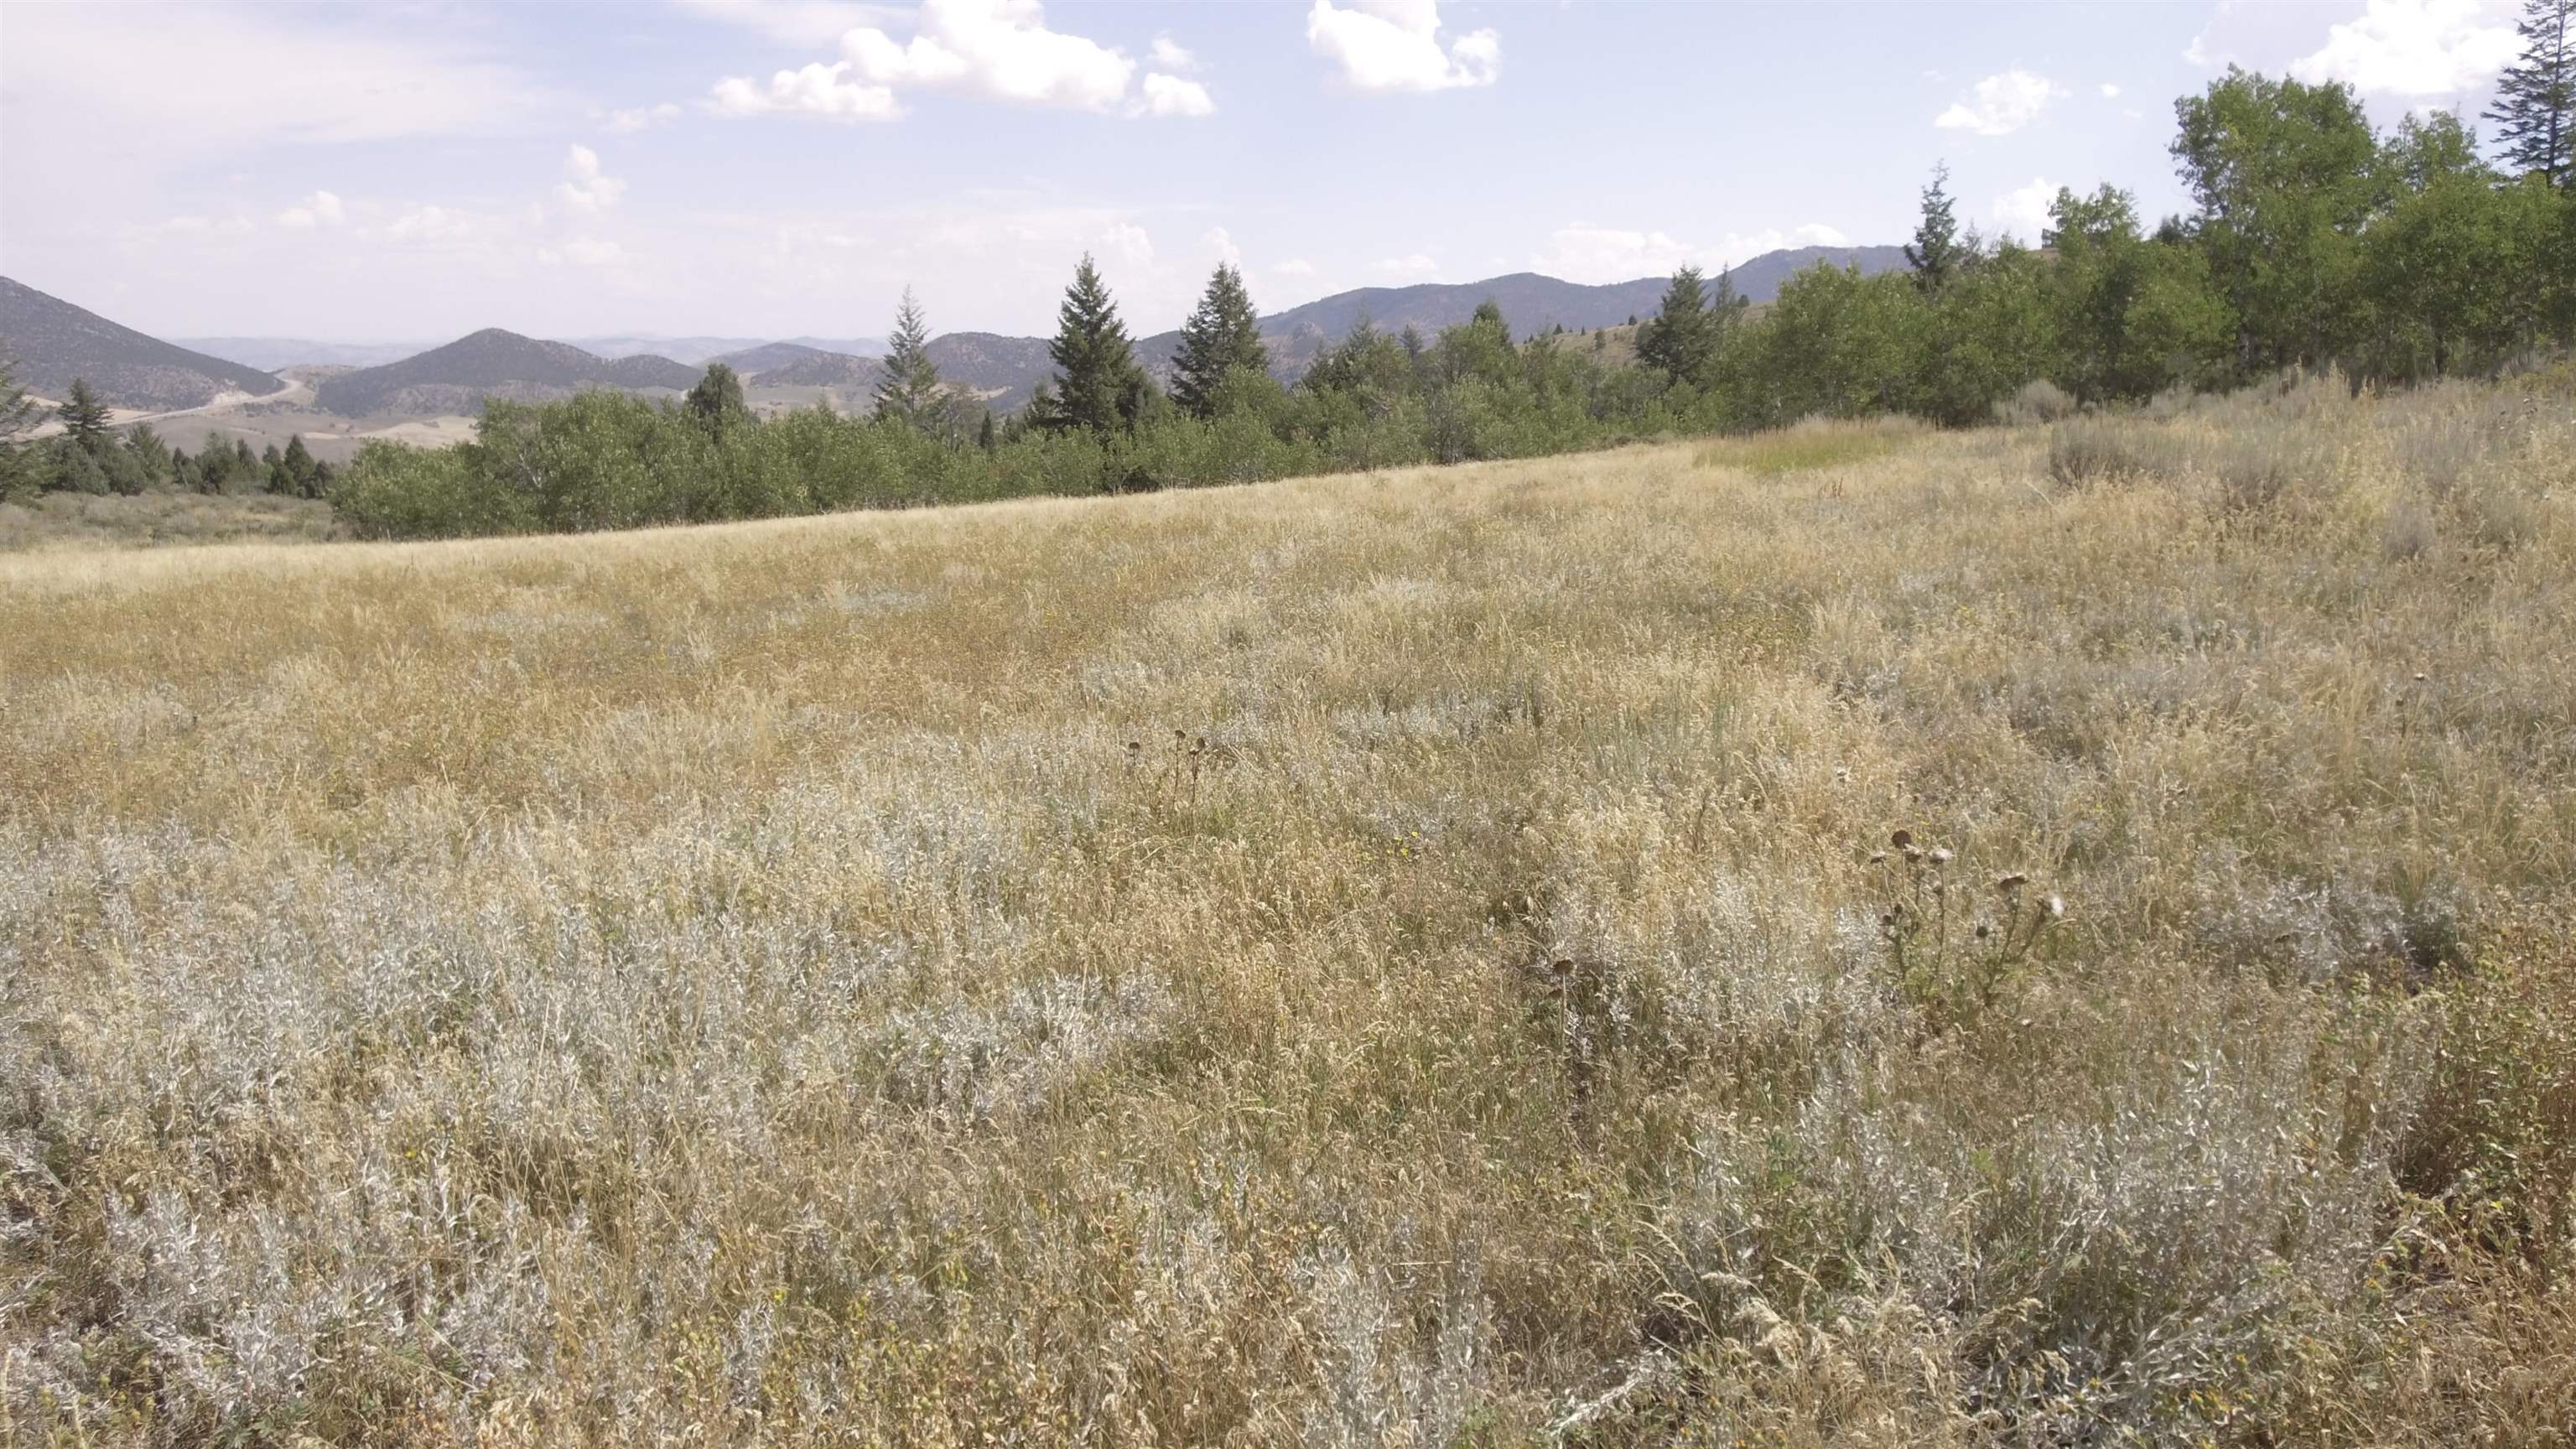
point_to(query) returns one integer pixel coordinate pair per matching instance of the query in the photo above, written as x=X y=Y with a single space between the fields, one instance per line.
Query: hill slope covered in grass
x=51 y=342
x=1410 y=958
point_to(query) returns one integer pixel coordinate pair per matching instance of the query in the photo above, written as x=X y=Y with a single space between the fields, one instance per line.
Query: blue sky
x=783 y=167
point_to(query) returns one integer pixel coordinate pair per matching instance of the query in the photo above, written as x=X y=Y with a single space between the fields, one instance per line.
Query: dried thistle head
x=1941 y=855
x=2011 y=880
x=1902 y=839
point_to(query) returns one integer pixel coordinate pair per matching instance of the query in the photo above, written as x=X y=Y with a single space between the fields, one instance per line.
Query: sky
x=773 y=168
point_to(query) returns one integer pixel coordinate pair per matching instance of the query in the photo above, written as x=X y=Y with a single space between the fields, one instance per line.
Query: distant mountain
x=810 y=368
x=1759 y=279
x=710 y=349
x=50 y=342
x=275 y=354
x=493 y=364
x=1003 y=371
x=752 y=361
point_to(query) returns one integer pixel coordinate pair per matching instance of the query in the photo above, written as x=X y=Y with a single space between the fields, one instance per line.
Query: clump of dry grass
x=79 y=520
x=1387 y=960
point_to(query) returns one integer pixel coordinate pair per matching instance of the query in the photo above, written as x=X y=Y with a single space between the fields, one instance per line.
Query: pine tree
x=1097 y=382
x=83 y=415
x=984 y=437
x=1680 y=340
x=2535 y=104
x=1935 y=254
x=717 y=401
x=1489 y=313
x=1222 y=335
x=908 y=389
x=301 y=470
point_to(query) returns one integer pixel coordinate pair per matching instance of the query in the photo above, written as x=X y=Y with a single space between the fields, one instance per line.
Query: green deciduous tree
x=2535 y=102
x=1222 y=334
x=2134 y=314
x=2455 y=271
x=908 y=389
x=1098 y=386
x=2285 y=175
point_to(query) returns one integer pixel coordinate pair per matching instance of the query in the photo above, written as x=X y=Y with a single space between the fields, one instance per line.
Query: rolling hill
x=276 y=354
x=492 y=363
x=51 y=342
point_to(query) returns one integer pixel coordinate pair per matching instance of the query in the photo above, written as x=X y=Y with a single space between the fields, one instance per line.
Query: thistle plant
x=1953 y=952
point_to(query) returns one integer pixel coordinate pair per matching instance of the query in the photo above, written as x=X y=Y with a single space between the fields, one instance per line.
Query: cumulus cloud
x=813 y=90
x=583 y=252
x=1128 y=242
x=319 y=209
x=1598 y=254
x=2022 y=213
x=995 y=49
x=1418 y=264
x=2418 y=48
x=1394 y=45
x=1170 y=55
x=1220 y=241
x=2110 y=92
x=2000 y=104
x=794 y=22
x=1295 y=267
x=1168 y=95
x=584 y=188
x=642 y=118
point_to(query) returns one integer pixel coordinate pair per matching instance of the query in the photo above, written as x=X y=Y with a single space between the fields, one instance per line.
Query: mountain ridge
x=50 y=342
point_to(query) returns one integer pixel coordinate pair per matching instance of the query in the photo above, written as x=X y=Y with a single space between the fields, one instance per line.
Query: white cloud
x=322 y=208
x=642 y=118
x=1295 y=267
x=2022 y=213
x=1128 y=242
x=1419 y=264
x=815 y=90
x=2110 y=92
x=1166 y=95
x=1170 y=55
x=585 y=189
x=2000 y=104
x=995 y=49
x=999 y=49
x=1394 y=45
x=2416 y=48
x=1598 y=254
x=438 y=226
x=1220 y=241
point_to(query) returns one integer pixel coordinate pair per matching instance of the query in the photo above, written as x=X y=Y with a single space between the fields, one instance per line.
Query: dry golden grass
x=83 y=521
x=1377 y=960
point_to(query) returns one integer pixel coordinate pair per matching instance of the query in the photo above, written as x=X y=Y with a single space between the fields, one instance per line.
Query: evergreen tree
x=83 y=415
x=1489 y=313
x=2535 y=104
x=245 y=462
x=984 y=435
x=1097 y=383
x=1936 y=254
x=17 y=415
x=1681 y=340
x=908 y=389
x=1224 y=333
x=301 y=471
x=152 y=454
x=716 y=402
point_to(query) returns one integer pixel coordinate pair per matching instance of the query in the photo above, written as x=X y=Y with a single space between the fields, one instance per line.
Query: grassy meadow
x=1861 y=936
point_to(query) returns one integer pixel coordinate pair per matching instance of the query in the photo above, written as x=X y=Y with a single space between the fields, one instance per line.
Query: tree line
x=2313 y=241
x=93 y=455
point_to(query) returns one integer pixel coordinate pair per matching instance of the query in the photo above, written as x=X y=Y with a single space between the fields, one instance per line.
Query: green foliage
x=1937 y=254
x=1098 y=385
x=1683 y=339
x=2285 y=175
x=717 y=401
x=908 y=390
x=2535 y=103
x=2135 y=316
x=1220 y=337
x=84 y=416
